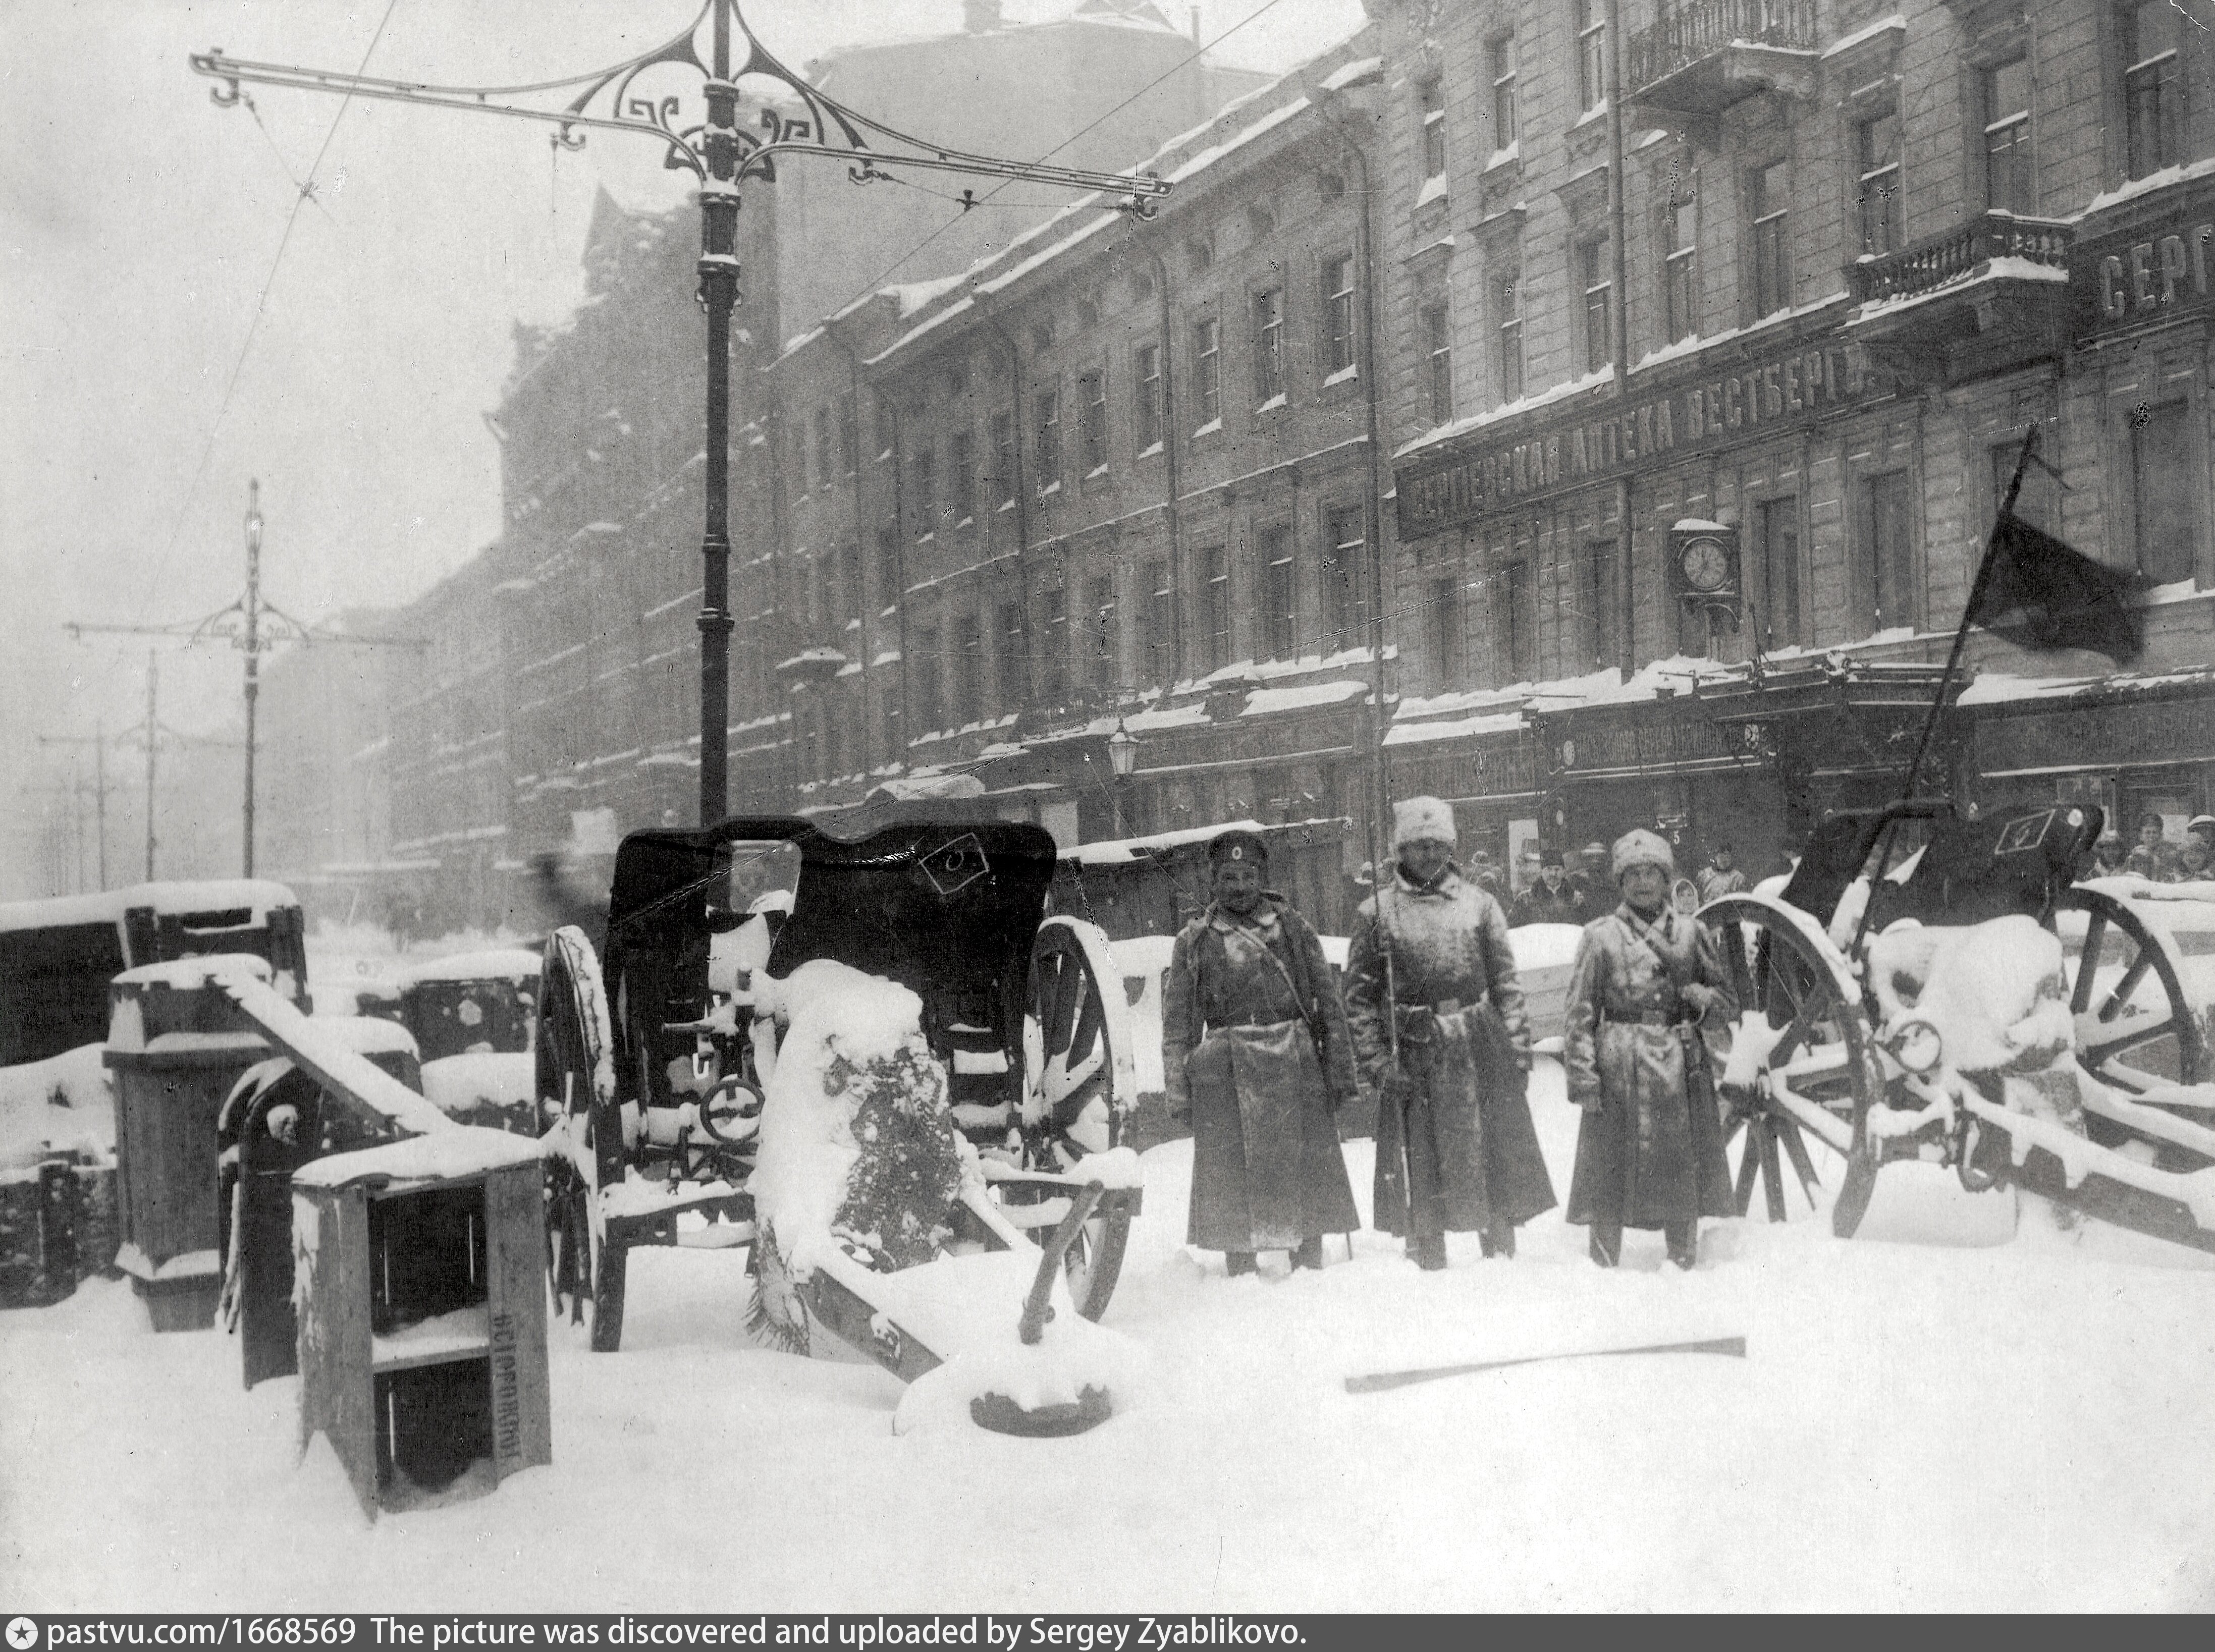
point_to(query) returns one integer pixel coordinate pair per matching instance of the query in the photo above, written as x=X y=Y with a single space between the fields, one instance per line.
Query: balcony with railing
x=1700 y=57
x=1982 y=296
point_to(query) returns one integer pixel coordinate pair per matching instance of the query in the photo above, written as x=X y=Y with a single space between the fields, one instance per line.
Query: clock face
x=1704 y=565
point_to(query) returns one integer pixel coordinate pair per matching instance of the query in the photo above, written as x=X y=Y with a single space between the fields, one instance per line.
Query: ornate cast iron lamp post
x=686 y=96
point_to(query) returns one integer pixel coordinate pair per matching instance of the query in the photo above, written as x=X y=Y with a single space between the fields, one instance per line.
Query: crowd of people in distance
x=1261 y=1046
x=2153 y=854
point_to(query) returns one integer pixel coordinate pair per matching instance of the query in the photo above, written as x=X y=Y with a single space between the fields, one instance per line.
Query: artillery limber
x=1942 y=987
x=655 y=1055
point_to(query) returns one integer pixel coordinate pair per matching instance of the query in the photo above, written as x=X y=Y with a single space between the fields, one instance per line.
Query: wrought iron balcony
x=1959 y=254
x=1702 y=56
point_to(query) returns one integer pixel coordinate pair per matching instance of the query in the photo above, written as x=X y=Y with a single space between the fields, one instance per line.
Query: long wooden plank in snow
x=325 y=1060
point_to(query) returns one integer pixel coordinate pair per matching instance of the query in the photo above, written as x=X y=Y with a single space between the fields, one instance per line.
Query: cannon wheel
x=1079 y=1086
x=2169 y=1043
x=1820 y=1076
x=577 y=1100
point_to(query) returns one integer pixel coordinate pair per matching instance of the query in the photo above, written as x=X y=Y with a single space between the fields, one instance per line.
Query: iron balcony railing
x=1937 y=260
x=1693 y=29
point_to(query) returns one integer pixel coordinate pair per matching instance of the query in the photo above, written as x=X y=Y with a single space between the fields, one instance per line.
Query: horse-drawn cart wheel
x=584 y=1126
x=1812 y=1070
x=2134 y=1024
x=1079 y=1086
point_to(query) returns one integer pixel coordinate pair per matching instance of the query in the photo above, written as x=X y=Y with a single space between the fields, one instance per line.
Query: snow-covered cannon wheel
x=2122 y=1039
x=1079 y=1087
x=584 y=1130
x=1804 y=1057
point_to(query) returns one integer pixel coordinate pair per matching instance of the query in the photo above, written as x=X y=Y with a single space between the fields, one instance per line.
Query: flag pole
x=1968 y=609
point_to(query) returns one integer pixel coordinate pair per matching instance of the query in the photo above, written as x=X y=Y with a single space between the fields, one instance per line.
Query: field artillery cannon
x=654 y=1057
x=1939 y=988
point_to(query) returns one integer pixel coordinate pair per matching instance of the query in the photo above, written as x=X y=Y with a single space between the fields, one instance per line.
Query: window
x=969 y=670
x=1438 y=342
x=889 y=567
x=1886 y=569
x=1101 y=607
x=1680 y=289
x=1207 y=371
x=1215 y=607
x=1508 y=312
x=850 y=435
x=883 y=412
x=923 y=488
x=853 y=599
x=823 y=447
x=1517 y=624
x=1596 y=602
x=926 y=677
x=1003 y=458
x=1877 y=140
x=1268 y=345
x=1046 y=405
x=2036 y=501
x=1092 y=406
x=1160 y=662
x=1147 y=424
x=1447 y=654
x=1768 y=204
x=1592 y=53
x=2007 y=134
x=1345 y=612
x=800 y=483
x=889 y=725
x=1053 y=664
x=1279 y=608
x=1013 y=689
x=1338 y=314
x=834 y=742
x=2153 y=90
x=1777 y=558
x=957 y=381
x=1500 y=58
x=2165 y=494
x=1431 y=100
x=1592 y=276
x=962 y=466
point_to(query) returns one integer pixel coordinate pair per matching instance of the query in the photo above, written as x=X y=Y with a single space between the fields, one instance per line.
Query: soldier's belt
x=1640 y=1018
x=1418 y=1023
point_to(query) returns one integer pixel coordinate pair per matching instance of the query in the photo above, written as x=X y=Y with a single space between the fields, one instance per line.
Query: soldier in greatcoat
x=1438 y=1022
x=1256 y=1056
x=1650 y=1146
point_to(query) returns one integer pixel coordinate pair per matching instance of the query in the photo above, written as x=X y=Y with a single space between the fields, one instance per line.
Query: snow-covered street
x=2020 y=1425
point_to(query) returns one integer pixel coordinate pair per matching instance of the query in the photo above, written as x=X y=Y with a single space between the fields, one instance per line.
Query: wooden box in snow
x=420 y=1285
x=177 y=1045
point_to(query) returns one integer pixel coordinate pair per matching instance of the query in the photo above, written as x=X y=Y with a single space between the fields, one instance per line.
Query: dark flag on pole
x=2040 y=593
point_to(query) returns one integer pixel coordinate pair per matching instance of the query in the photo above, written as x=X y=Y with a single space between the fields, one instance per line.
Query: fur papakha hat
x=1422 y=820
x=1642 y=848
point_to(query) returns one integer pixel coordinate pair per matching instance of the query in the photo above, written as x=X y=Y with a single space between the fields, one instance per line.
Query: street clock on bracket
x=1704 y=567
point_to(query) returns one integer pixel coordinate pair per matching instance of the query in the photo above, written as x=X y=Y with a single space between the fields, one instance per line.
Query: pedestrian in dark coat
x=1550 y=899
x=1438 y=1020
x=1650 y=1146
x=1255 y=1054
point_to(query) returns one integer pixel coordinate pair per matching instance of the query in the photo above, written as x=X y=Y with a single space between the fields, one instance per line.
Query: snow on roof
x=1493 y=415
x=1698 y=525
x=453 y=1154
x=259 y=895
x=1264 y=702
x=1410 y=734
x=1868 y=32
x=497 y=963
x=1347 y=74
x=912 y=295
x=1995 y=687
x=1208 y=156
x=1122 y=851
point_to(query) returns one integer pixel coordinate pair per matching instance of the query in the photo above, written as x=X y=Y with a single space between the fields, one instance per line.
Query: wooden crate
x=422 y=1327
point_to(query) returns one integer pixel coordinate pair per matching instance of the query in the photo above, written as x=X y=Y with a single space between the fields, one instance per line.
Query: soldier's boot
x=1309 y=1253
x=1606 y=1245
x=1498 y=1241
x=1236 y=1262
x=1684 y=1242
x=1428 y=1251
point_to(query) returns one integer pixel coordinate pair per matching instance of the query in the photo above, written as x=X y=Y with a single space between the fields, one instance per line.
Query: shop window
x=1447 y=655
x=1268 y=345
x=1777 y=553
x=1501 y=55
x=1596 y=602
x=2153 y=84
x=1147 y=421
x=1877 y=140
x=1592 y=275
x=1887 y=554
x=1592 y=53
x=1207 y=371
x=1105 y=663
x=1337 y=313
x=1517 y=622
x=1507 y=319
x=1769 y=201
x=1004 y=460
x=1345 y=610
x=2005 y=89
x=1680 y=292
x=1160 y=622
x=1215 y=606
x=1054 y=662
x=2162 y=469
x=1438 y=344
x=1431 y=106
x=1280 y=611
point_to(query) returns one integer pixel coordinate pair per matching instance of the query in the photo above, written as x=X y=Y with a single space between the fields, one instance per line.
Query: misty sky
x=139 y=224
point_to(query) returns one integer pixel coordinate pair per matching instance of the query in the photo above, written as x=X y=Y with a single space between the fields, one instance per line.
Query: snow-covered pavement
x=2018 y=1425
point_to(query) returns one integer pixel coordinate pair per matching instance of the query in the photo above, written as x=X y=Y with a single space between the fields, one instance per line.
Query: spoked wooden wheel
x=1078 y=1085
x=2135 y=1027
x=584 y=1126
x=1811 y=1069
